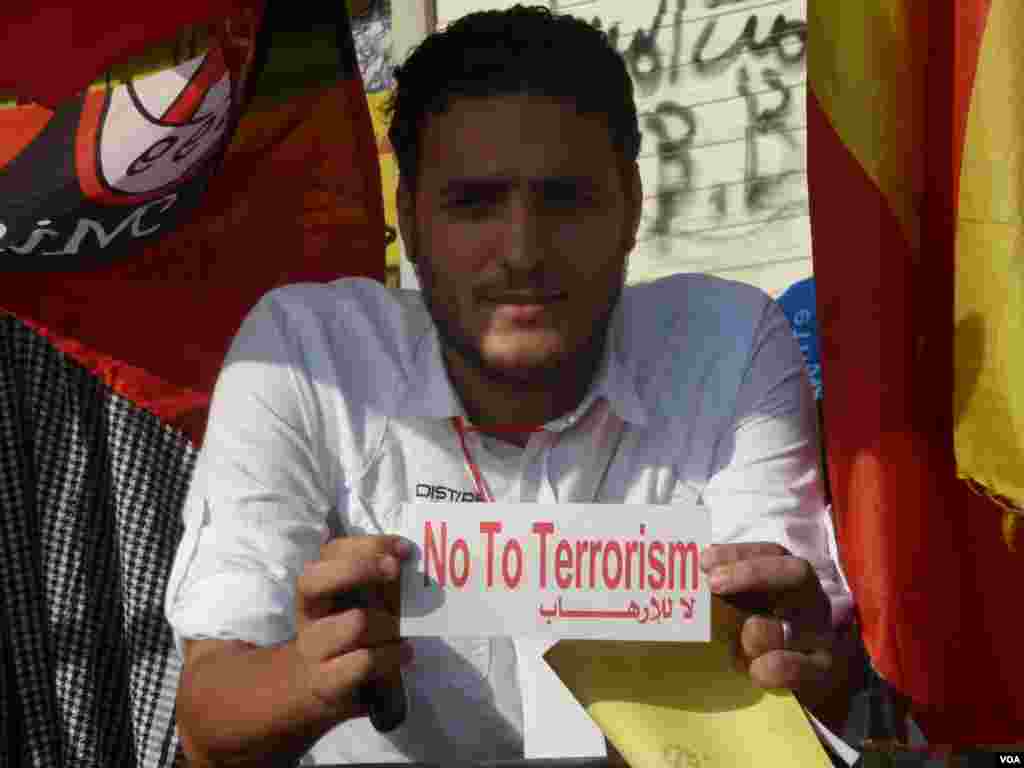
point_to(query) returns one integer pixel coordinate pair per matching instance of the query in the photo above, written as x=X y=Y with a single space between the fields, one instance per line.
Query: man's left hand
x=776 y=588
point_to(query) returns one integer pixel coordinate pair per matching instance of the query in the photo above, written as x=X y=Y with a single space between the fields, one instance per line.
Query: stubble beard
x=546 y=376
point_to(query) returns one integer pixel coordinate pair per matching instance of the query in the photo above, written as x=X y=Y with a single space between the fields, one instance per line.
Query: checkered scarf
x=90 y=492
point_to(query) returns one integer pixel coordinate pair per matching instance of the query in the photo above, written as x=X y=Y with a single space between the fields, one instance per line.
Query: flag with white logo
x=161 y=168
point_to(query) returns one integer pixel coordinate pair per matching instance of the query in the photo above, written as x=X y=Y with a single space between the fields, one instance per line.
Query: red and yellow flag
x=915 y=133
x=164 y=165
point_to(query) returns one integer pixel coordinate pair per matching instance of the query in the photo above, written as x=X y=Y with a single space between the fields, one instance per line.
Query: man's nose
x=525 y=236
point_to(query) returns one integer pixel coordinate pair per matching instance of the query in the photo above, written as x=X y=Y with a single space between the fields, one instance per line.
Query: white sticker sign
x=599 y=571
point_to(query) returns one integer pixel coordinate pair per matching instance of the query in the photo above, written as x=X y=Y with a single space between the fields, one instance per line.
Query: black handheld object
x=385 y=702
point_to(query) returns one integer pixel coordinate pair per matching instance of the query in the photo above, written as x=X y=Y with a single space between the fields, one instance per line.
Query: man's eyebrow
x=496 y=183
x=476 y=184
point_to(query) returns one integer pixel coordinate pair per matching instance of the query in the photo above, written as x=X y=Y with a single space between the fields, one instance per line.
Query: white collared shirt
x=333 y=408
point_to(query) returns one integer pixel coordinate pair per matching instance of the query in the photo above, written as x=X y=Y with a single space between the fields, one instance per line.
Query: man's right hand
x=340 y=650
x=312 y=679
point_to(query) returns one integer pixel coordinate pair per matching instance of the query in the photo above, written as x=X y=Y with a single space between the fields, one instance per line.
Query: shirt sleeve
x=765 y=482
x=258 y=502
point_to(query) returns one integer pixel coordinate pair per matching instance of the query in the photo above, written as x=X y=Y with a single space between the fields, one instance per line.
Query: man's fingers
x=349 y=562
x=770 y=573
x=793 y=670
x=723 y=554
x=341 y=633
x=784 y=586
x=761 y=635
x=340 y=678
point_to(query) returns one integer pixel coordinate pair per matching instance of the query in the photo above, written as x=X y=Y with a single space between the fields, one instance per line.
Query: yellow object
x=989 y=340
x=685 y=705
x=864 y=77
x=388 y=170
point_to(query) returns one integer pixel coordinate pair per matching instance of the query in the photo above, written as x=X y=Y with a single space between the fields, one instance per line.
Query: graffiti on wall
x=721 y=86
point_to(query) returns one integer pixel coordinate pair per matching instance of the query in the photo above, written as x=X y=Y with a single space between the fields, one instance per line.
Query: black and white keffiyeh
x=91 y=488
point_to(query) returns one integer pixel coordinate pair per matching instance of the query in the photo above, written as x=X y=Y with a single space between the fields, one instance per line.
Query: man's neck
x=493 y=405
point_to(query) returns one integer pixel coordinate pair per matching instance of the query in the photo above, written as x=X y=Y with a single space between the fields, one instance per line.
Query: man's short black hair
x=521 y=50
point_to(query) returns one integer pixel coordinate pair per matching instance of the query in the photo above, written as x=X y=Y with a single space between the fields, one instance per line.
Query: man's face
x=520 y=227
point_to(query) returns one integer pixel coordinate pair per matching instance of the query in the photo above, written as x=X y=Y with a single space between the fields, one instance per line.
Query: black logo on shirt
x=443 y=493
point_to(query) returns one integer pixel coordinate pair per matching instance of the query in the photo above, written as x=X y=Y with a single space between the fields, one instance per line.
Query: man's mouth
x=522 y=307
x=525 y=299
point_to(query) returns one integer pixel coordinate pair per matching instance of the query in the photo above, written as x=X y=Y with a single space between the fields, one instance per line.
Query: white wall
x=723 y=117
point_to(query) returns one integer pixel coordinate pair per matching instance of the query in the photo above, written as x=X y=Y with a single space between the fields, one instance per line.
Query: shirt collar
x=427 y=391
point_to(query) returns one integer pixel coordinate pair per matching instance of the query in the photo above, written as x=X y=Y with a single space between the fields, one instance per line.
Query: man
x=519 y=201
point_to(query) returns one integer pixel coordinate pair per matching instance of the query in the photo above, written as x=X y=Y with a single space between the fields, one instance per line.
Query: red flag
x=936 y=587
x=142 y=213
